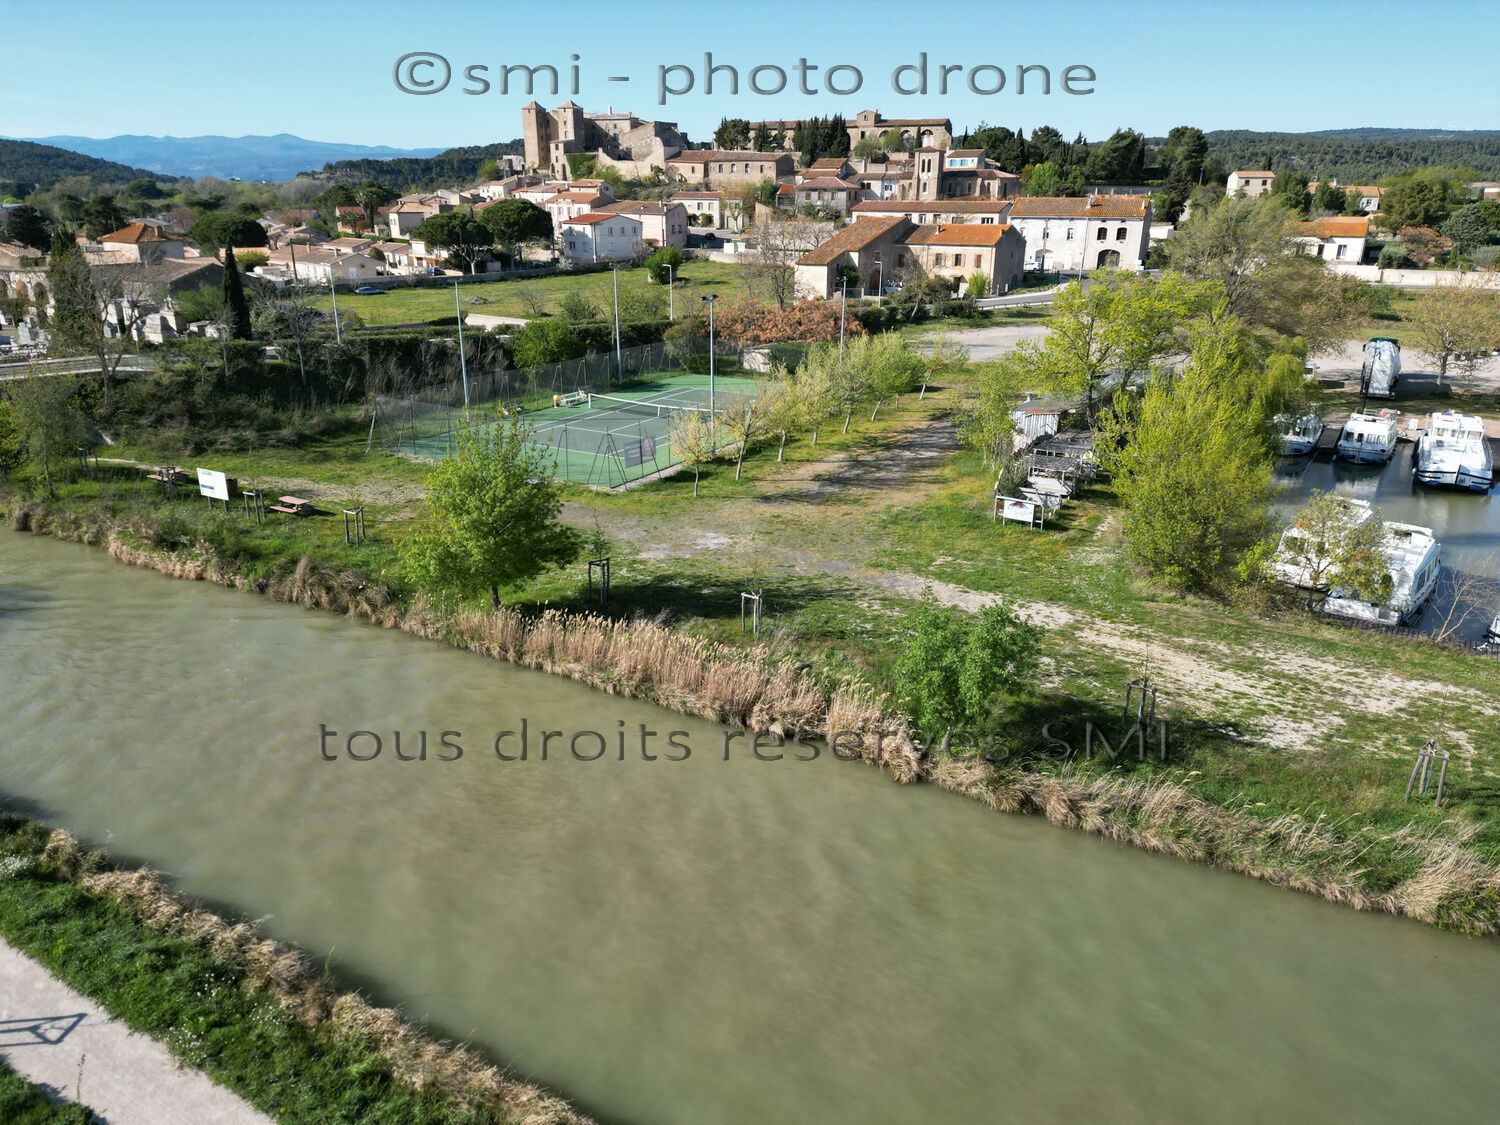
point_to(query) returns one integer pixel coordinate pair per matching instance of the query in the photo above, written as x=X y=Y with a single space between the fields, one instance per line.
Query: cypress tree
x=236 y=306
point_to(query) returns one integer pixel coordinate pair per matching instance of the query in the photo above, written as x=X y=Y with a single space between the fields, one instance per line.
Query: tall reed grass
x=1443 y=881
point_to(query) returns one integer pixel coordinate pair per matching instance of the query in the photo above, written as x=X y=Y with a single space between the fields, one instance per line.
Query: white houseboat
x=1368 y=439
x=1299 y=434
x=1382 y=368
x=1454 y=451
x=1413 y=561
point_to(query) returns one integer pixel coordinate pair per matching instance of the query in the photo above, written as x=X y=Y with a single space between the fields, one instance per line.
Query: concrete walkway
x=59 y=1039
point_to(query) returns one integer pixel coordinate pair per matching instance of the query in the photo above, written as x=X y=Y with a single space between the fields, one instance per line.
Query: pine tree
x=236 y=305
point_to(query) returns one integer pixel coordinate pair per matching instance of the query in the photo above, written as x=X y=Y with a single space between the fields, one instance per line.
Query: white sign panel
x=213 y=484
x=1022 y=511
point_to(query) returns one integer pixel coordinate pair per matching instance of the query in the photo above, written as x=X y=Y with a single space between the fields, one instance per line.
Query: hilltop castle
x=633 y=146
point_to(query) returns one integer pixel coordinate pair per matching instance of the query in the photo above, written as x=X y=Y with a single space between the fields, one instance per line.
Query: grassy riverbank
x=253 y=1015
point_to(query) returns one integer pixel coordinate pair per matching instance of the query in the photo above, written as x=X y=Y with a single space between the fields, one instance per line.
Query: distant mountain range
x=278 y=157
x=25 y=165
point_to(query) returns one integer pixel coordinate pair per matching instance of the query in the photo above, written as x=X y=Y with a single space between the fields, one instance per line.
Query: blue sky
x=323 y=68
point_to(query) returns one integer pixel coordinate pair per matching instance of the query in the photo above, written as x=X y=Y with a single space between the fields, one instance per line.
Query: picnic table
x=293 y=506
x=169 y=474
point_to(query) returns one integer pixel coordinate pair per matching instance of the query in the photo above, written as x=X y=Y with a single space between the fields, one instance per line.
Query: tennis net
x=646 y=408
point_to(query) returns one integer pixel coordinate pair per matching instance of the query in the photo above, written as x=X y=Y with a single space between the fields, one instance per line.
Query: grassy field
x=1284 y=712
x=509 y=298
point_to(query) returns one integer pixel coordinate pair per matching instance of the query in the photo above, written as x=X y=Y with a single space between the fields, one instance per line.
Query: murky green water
x=1466 y=523
x=704 y=941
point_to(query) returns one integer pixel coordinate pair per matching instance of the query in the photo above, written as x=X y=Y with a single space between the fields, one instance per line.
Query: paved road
x=60 y=1039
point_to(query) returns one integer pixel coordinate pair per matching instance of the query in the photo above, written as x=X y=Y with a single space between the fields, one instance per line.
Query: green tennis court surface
x=605 y=440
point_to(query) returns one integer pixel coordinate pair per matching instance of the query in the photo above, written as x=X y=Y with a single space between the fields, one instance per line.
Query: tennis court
x=600 y=439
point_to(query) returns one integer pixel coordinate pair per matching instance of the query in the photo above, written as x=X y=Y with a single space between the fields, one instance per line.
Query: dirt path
x=63 y=1041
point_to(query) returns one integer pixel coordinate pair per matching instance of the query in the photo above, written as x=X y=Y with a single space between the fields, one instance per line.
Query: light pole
x=463 y=360
x=713 y=439
x=879 y=283
x=619 y=354
x=338 y=332
x=843 y=308
x=671 y=301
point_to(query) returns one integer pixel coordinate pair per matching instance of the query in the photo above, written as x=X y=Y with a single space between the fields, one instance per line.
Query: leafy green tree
x=1044 y=179
x=144 y=189
x=488 y=170
x=1182 y=155
x=1335 y=546
x=1414 y=202
x=1330 y=197
x=1190 y=463
x=1119 y=160
x=45 y=422
x=236 y=304
x=955 y=669
x=101 y=216
x=1290 y=187
x=1354 y=203
x=492 y=517
x=1468 y=228
x=1457 y=326
x=373 y=195
x=29 y=226
x=867 y=147
x=694 y=439
x=460 y=235
x=545 y=341
x=658 y=261
x=1249 y=247
x=733 y=134
x=219 y=229
x=514 y=221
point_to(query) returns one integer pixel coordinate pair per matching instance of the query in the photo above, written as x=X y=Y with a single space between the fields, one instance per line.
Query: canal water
x=702 y=940
x=1467 y=524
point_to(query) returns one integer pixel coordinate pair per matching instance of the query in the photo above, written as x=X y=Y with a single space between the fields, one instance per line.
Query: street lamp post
x=671 y=297
x=463 y=360
x=879 y=283
x=843 y=308
x=338 y=332
x=712 y=416
x=619 y=354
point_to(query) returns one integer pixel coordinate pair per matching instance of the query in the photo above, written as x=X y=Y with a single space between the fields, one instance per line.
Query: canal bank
x=732 y=941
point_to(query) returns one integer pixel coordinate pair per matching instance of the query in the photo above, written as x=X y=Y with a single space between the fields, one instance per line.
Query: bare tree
x=105 y=308
x=775 y=245
x=1456 y=326
x=534 y=299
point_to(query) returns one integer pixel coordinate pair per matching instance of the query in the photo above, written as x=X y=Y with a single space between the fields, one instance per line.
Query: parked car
x=369 y=290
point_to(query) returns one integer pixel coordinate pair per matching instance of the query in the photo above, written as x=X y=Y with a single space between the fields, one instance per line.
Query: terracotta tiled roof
x=1070 y=207
x=637 y=207
x=1242 y=175
x=1341 y=227
x=933 y=206
x=856 y=236
x=966 y=152
x=943 y=121
x=830 y=162
x=133 y=234
x=827 y=183
x=958 y=234
x=589 y=197
x=595 y=217
x=697 y=195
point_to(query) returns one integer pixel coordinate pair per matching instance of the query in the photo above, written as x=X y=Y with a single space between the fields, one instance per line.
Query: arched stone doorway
x=1108 y=259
